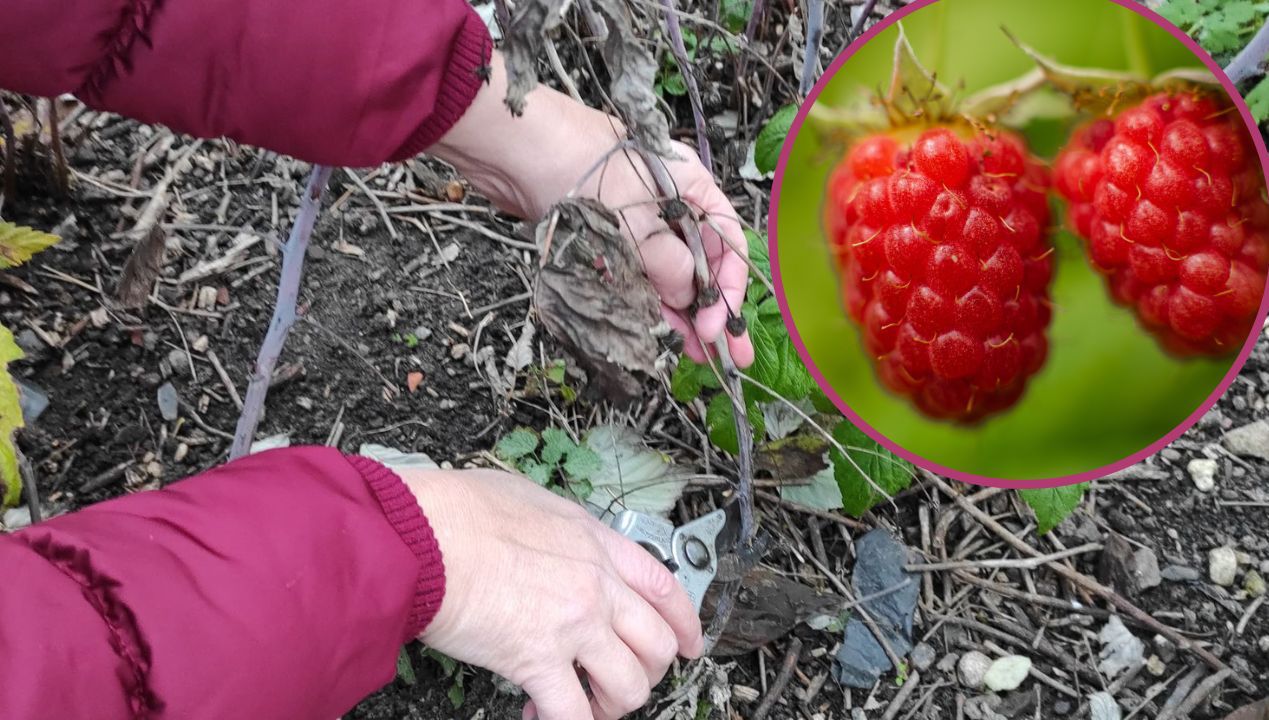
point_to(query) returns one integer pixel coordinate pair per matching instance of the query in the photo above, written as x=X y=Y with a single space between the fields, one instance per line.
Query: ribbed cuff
x=407 y=518
x=471 y=51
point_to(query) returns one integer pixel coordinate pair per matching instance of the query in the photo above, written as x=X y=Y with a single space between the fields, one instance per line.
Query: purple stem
x=283 y=312
x=814 y=34
x=1247 y=63
x=693 y=92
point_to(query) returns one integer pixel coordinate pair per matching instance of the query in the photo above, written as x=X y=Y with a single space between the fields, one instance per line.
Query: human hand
x=560 y=146
x=537 y=591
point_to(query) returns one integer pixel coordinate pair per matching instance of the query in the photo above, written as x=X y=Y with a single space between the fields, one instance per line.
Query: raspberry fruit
x=942 y=242
x=1170 y=201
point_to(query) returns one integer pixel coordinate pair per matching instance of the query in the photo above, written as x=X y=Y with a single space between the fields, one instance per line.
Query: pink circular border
x=772 y=246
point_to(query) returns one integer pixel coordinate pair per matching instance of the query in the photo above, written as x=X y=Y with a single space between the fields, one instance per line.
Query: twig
x=858 y=26
x=1091 y=585
x=909 y=686
x=1017 y=563
x=685 y=69
x=782 y=680
x=383 y=211
x=814 y=34
x=1201 y=692
x=1246 y=63
x=225 y=379
x=283 y=311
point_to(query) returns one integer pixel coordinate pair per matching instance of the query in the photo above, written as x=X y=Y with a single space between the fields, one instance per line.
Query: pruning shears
x=691 y=551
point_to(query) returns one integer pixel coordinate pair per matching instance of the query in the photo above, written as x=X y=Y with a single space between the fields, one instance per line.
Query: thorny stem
x=685 y=69
x=283 y=312
x=1247 y=63
x=1089 y=584
x=688 y=228
x=814 y=34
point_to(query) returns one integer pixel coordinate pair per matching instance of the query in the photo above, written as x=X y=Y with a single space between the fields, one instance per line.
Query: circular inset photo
x=1022 y=241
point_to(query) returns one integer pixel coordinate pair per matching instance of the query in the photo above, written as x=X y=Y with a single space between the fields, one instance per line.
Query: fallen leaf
x=592 y=296
x=413 y=380
x=632 y=475
x=768 y=607
x=142 y=268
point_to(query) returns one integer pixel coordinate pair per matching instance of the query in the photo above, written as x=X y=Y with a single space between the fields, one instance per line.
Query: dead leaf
x=1254 y=711
x=413 y=380
x=592 y=296
x=797 y=456
x=142 y=268
x=768 y=607
x=631 y=66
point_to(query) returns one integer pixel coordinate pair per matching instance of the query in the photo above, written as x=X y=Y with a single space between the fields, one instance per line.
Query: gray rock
x=1102 y=706
x=947 y=663
x=879 y=567
x=1007 y=673
x=922 y=657
x=1203 y=473
x=1249 y=440
x=1222 y=565
x=16 y=518
x=972 y=668
x=1127 y=568
x=169 y=401
x=1179 y=573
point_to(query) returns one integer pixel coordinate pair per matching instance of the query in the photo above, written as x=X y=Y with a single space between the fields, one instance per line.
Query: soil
x=376 y=309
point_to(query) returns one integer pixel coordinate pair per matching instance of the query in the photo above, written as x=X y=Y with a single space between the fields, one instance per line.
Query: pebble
x=1102 y=706
x=1179 y=573
x=181 y=451
x=169 y=402
x=972 y=668
x=1222 y=565
x=1007 y=673
x=18 y=517
x=922 y=657
x=459 y=350
x=1264 y=644
x=178 y=361
x=947 y=663
x=744 y=694
x=1251 y=440
x=200 y=344
x=1156 y=666
x=1203 y=472
x=1254 y=584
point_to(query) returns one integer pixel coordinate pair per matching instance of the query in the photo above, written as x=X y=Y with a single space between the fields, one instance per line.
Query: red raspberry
x=942 y=243
x=1170 y=200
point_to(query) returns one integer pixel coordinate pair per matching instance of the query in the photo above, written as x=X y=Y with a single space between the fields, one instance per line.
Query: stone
x=16 y=518
x=1249 y=440
x=1155 y=666
x=1007 y=673
x=1129 y=569
x=1102 y=706
x=1203 y=473
x=1254 y=584
x=1179 y=573
x=972 y=668
x=922 y=657
x=879 y=568
x=1222 y=565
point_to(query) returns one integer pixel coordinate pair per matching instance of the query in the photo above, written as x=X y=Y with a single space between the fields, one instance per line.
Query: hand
x=537 y=591
x=527 y=164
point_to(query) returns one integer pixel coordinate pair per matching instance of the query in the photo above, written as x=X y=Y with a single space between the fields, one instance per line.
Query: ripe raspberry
x=1170 y=200
x=942 y=243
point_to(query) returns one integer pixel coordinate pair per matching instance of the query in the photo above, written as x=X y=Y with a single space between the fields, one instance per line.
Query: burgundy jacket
x=277 y=587
x=280 y=586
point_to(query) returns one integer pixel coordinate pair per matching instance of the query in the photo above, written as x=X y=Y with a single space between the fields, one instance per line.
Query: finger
x=741 y=350
x=654 y=583
x=557 y=695
x=668 y=264
x=681 y=325
x=731 y=275
x=618 y=682
x=645 y=632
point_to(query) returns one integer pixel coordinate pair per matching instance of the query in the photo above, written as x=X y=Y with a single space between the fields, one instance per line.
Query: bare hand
x=538 y=591
x=527 y=164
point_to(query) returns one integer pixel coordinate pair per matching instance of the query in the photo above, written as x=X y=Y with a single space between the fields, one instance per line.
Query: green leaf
x=456 y=694
x=448 y=664
x=581 y=463
x=1258 y=101
x=516 y=444
x=581 y=489
x=887 y=471
x=721 y=425
x=685 y=383
x=766 y=152
x=776 y=362
x=674 y=84
x=555 y=442
x=405 y=669
x=735 y=14
x=555 y=372
x=10 y=420
x=19 y=243
x=758 y=253
x=1052 y=505
x=538 y=472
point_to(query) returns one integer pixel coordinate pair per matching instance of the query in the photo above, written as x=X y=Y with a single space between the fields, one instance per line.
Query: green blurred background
x=1107 y=390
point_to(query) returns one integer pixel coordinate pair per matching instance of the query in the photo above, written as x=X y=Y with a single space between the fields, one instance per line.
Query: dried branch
x=283 y=312
x=675 y=32
x=814 y=34
x=1247 y=63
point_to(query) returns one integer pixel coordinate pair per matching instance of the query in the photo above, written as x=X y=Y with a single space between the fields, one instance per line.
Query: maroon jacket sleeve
x=339 y=82
x=280 y=586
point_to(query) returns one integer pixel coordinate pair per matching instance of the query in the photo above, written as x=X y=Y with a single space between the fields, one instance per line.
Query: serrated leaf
x=685 y=383
x=721 y=425
x=538 y=472
x=674 y=84
x=766 y=152
x=555 y=372
x=888 y=473
x=1052 y=505
x=581 y=463
x=1182 y=13
x=555 y=443
x=822 y=492
x=1258 y=101
x=516 y=444
x=18 y=243
x=10 y=421
x=581 y=489
x=736 y=14
x=457 y=696
x=758 y=252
